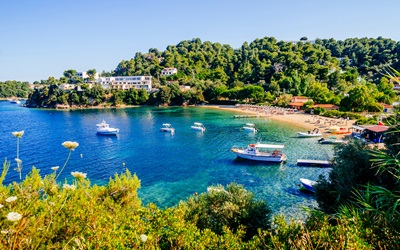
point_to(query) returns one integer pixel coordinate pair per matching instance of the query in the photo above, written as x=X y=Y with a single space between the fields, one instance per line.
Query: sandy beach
x=305 y=122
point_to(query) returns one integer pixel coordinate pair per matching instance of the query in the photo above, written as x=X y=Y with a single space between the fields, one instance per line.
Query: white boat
x=250 y=127
x=261 y=152
x=331 y=140
x=16 y=101
x=104 y=129
x=301 y=134
x=314 y=133
x=308 y=184
x=167 y=128
x=198 y=126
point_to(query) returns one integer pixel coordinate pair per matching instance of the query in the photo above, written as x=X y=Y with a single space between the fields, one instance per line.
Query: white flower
x=1 y=205
x=143 y=237
x=71 y=145
x=78 y=175
x=55 y=168
x=18 y=134
x=5 y=231
x=14 y=216
x=69 y=187
x=11 y=199
x=18 y=161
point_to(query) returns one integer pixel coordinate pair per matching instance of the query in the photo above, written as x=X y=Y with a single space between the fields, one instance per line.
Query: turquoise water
x=171 y=167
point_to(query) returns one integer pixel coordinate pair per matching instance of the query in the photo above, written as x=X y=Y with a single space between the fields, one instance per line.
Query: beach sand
x=305 y=122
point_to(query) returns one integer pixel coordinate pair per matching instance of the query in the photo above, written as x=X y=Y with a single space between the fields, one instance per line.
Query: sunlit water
x=171 y=167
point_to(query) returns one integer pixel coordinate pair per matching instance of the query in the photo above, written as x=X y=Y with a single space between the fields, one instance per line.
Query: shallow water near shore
x=171 y=167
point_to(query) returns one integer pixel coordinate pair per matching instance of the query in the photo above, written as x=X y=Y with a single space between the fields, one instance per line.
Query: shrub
x=232 y=207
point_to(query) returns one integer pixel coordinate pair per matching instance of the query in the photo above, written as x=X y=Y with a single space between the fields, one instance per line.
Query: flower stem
x=69 y=154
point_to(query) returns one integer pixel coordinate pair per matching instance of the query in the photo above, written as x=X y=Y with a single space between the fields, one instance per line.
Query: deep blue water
x=171 y=167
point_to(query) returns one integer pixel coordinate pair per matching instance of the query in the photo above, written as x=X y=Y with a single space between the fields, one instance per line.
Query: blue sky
x=43 y=38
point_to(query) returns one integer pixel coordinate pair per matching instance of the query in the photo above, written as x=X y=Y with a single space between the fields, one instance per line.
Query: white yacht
x=198 y=126
x=167 y=128
x=250 y=127
x=261 y=152
x=103 y=128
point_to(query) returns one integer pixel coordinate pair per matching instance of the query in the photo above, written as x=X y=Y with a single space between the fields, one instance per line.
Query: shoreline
x=301 y=120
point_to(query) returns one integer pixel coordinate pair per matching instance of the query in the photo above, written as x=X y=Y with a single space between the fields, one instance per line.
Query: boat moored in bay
x=250 y=127
x=103 y=128
x=198 y=126
x=261 y=152
x=308 y=184
x=167 y=128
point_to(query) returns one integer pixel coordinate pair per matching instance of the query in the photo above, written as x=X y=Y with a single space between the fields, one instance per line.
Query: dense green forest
x=351 y=73
x=10 y=89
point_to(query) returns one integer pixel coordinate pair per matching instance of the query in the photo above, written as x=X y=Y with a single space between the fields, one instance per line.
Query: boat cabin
x=265 y=148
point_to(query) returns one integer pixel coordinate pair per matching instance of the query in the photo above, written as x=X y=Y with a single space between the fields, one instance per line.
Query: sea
x=171 y=167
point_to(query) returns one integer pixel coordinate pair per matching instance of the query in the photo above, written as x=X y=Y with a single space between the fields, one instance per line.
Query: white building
x=84 y=75
x=169 y=71
x=126 y=82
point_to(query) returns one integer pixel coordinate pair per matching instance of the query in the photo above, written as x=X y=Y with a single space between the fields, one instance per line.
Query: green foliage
x=351 y=168
x=319 y=110
x=10 y=89
x=232 y=207
x=338 y=114
x=308 y=105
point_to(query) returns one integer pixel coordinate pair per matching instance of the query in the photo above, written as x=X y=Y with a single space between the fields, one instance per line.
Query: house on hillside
x=386 y=107
x=169 y=71
x=396 y=83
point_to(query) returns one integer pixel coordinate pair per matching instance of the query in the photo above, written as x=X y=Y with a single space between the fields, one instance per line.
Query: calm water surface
x=171 y=167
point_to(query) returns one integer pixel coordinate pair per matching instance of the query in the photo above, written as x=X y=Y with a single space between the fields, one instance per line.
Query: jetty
x=245 y=116
x=313 y=163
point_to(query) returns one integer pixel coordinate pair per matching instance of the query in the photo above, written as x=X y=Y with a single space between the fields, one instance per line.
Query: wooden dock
x=313 y=163
x=245 y=116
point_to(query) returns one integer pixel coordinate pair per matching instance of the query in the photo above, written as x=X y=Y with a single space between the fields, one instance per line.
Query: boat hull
x=108 y=132
x=167 y=130
x=308 y=184
x=197 y=128
x=301 y=134
x=250 y=129
x=259 y=157
x=332 y=142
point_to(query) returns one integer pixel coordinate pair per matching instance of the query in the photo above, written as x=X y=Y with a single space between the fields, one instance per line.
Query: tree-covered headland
x=349 y=73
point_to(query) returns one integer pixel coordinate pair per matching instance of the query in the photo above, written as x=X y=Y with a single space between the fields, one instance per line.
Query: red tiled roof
x=326 y=106
x=296 y=104
x=385 y=105
x=377 y=128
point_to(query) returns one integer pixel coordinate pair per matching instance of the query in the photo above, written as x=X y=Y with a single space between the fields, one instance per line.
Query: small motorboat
x=167 y=128
x=250 y=127
x=308 y=184
x=15 y=101
x=103 y=128
x=331 y=140
x=314 y=133
x=261 y=152
x=198 y=126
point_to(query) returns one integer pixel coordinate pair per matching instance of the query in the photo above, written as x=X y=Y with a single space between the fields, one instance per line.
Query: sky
x=43 y=38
